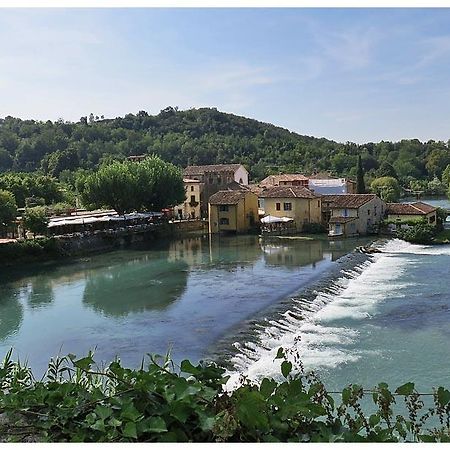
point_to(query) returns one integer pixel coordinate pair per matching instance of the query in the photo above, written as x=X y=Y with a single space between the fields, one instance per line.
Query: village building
x=352 y=214
x=291 y=202
x=190 y=208
x=289 y=179
x=408 y=212
x=332 y=186
x=233 y=211
x=321 y=183
x=215 y=178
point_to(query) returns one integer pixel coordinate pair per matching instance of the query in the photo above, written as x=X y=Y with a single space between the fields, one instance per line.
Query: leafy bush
x=314 y=228
x=78 y=402
x=420 y=233
x=14 y=251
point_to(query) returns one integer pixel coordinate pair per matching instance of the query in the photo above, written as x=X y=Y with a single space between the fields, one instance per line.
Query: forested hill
x=204 y=136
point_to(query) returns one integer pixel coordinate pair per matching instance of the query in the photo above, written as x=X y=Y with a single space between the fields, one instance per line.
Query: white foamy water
x=322 y=332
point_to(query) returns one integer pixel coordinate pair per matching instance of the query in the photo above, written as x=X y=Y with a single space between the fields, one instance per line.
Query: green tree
x=126 y=186
x=360 y=185
x=446 y=176
x=8 y=208
x=35 y=220
x=387 y=188
x=386 y=170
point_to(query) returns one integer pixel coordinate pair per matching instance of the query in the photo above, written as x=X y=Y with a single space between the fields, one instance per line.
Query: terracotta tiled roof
x=227 y=197
x=416 y=209
x=342 y=219
x=255 y=188
x=352 y=201
x=274 y=180
x=200 y=170
x=287 y=192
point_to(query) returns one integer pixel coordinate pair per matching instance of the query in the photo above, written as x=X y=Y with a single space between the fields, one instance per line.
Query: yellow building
x=233 y=211
x=191 y=207
x=295 y=202
x=405 y=212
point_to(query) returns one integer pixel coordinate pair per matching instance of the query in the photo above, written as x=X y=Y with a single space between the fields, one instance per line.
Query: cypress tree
x=360 y=186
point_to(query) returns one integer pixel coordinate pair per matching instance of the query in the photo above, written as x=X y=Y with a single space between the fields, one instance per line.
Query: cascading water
x=349 y=327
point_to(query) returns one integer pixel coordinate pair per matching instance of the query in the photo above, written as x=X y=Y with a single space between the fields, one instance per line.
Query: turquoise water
x=387 y=319
x=185 y=295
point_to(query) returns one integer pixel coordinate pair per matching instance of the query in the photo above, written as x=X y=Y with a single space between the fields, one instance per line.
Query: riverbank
x=63 y=248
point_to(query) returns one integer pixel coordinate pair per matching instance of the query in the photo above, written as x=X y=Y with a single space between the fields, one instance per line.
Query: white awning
x=273 y=219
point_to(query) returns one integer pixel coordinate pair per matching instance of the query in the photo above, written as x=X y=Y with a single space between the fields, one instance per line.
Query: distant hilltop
x=205 y=136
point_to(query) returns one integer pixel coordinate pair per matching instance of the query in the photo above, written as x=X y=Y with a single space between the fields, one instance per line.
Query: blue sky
x=346 y=74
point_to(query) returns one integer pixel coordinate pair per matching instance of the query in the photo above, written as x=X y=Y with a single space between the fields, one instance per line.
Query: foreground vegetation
x=78 y=402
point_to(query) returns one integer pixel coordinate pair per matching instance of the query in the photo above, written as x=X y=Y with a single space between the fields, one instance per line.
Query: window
x=368 y=212
x=219 y=180
x=224 y=221
x=223 y=208
x=192 y=198
x=192 y=188
x=287 y=206
x=278 y=206
x=345 y=212
x=432 y=219
x=318 y=203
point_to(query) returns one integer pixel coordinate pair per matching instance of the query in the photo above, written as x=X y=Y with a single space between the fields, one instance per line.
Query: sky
x=354 y=75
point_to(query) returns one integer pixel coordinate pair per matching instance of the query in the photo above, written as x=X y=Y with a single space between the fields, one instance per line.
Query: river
x=183 y=295
x=349 y=316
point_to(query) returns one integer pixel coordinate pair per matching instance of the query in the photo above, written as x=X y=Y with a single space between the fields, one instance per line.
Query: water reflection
x=137 y=286
x=293 y=254
x=40 y=292
x=11 y=312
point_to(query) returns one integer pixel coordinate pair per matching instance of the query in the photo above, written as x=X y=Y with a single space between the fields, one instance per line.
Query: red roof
x=352 y=201
x=287 y=192
x=410 y=209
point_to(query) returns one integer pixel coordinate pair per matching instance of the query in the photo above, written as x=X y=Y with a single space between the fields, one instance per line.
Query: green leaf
x=103 y=411
x=286 y=367
x=280 y=353
x=84 y=363
x=113 y=422
x=157 y=425
x=267 y=387
x=427 y=438
x=443 y=396
x=129 y=430
x=346 y=393
x=130 y=412
x=98 y=425
x=251 y=411
x=405 y=389
x=206 y=422
x=374 y=419
x=187 y=367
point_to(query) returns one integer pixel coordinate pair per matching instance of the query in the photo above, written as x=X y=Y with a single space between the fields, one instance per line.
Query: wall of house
x=241 y=176
x=369 y=214
x=215 y=215
x=303 y=210
x=248 y=213
x=241 y=217
x=188 y=210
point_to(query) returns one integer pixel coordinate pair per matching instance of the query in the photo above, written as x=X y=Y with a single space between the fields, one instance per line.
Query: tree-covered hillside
x=206 y=136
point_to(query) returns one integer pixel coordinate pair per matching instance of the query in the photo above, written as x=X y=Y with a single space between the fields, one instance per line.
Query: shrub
x=314 y=228
x=419 y=233
x=78 y=402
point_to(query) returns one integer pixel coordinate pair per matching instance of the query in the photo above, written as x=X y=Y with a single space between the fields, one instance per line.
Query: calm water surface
x=185 y=294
